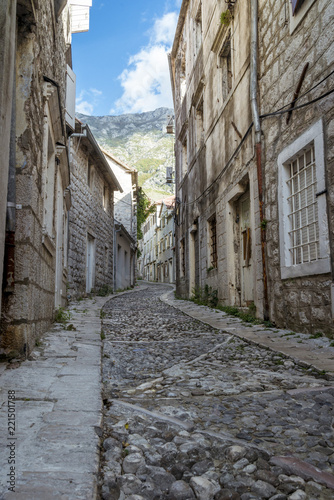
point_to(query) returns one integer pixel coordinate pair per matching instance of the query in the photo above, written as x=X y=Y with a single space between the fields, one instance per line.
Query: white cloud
x=146 y=81
x=87 y=100
x=164 y=28
x=96 y=92
x=84 y=107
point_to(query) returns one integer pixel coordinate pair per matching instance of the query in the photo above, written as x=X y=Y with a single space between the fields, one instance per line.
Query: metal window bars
x=303 y=209
x=213 y=240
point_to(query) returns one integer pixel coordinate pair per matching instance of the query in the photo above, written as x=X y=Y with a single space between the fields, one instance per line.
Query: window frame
x=212 y=242
x=314 y=135
x=298 y=14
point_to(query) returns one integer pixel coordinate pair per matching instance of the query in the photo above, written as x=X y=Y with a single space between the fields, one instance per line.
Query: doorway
x=245 y=254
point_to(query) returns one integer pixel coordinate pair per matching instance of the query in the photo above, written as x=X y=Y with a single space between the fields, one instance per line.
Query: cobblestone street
x=196 y=412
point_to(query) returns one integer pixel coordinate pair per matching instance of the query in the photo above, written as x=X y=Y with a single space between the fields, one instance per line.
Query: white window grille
x=303 y=219
x=303 y=209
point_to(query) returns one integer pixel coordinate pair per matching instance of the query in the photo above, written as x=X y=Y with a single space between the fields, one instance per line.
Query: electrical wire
x=305 y=93
x=275 y=113
x=290 y=110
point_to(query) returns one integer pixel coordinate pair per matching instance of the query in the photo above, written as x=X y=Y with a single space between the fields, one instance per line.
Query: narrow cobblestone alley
x=195 y=412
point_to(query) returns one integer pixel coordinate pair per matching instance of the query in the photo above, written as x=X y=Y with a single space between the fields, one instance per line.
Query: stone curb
x=317 y=364
x=59 y=411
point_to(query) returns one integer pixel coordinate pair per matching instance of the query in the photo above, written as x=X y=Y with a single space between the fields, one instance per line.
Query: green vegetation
x=205 y=297
x=144 y=209
x=147 y=164
x=316 y=335
x=104 y=291
x=62 y=316
x=226 y=18
x=70 y=327
x=209 y=297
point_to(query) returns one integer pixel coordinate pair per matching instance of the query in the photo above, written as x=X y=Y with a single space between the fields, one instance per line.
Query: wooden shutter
x=295 y=5
x=70 y=98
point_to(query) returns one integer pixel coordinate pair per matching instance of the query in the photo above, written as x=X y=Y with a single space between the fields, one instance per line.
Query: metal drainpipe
x=9 y=266
x=75 y=134
x=257 y=126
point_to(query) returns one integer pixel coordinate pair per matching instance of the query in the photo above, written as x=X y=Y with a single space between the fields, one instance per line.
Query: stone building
x=91 y=216
x=125 y=251
x=231 y=64
x=296 y=53
x=157 y=260
x=147 y=262
x=125 y=213
x=165 y=242
x=37 y=87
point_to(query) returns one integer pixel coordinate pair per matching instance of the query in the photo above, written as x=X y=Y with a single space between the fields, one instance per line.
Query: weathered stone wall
x=7 y=63
x=87 y=216
x=302 y=303
x=165 y=235
x=40 y=52
x=215 y=178
x=124 y=203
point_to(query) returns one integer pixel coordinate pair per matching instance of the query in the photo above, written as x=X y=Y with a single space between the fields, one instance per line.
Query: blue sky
x=121 y=62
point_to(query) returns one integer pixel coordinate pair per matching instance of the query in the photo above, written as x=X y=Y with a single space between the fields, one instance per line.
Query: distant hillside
x=141 y=141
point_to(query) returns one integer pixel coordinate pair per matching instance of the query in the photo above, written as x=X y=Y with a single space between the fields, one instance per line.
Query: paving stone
x=180 y=490
x=204 y=488
x=207 y=410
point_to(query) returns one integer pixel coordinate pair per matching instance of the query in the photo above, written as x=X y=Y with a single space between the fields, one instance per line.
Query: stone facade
x=125 y=200
x=229 y=235
x=214 y=183
x=291 y=44
x=125 y=258
x=157 y=260
x=35 y=274
x=125 y=213
x=91 y=217
x=165 y=242
x=147 y=262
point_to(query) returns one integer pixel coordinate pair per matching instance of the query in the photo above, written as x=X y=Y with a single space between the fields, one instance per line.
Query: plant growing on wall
x=226 y=17
x=144 y=209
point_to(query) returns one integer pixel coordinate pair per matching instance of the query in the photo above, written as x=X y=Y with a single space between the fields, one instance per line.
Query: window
x=184 y=157
x=90 y=175
x=106 y=258
x=197 y=31
x=296 y=4
x=70 y=98
x=303 y=210
x=199 y=125
x=183 y=258
x=213 y=241
x=226 y=68
x=298 y=10
x=304 y=242
x=105 y=197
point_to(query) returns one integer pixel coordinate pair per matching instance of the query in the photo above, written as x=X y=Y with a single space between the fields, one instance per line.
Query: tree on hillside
x=144 y=208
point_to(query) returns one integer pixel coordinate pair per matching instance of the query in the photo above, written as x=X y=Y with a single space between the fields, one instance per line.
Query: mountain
x=141 y=141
